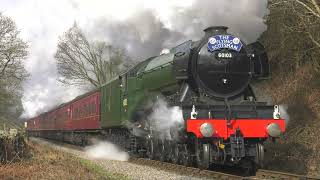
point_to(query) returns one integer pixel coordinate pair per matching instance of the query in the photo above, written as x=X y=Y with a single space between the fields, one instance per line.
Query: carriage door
x=123 y=97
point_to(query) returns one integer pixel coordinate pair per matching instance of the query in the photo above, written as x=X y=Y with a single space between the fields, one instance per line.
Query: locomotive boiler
x=210 y=80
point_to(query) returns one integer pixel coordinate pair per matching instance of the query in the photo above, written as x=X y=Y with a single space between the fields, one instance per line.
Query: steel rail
x=269 y=174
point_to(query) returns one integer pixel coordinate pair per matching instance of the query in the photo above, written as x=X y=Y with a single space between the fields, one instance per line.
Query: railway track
x=205 y=174
x=190 y=171
x=268 y=174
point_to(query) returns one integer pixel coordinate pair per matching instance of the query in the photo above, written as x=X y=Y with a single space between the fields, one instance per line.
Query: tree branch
x=308 y=8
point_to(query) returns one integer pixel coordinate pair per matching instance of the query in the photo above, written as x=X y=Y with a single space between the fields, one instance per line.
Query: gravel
x=128 y=169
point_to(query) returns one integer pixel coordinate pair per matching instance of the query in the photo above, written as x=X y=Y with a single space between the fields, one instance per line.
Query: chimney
x=214 y=30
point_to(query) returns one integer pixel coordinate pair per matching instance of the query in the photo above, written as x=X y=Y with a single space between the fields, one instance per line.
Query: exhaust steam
x=283 y=108
x=166 y=120
x=105 y=150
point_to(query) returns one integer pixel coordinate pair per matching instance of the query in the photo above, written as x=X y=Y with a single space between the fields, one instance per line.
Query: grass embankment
x=47 y=163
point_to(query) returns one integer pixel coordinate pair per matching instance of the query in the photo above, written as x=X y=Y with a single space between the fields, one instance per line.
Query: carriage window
x=87 y=109
x=76 y=113
x=85 y=112
x=94 y=108
x=90 y=109
x=65 y=116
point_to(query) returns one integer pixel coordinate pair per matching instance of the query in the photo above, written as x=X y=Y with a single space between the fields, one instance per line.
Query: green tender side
x=120 y=98
x=110 y=104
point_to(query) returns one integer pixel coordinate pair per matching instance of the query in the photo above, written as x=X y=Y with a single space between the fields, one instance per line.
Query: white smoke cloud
x=143 y=27
x=165 y=119
x=106 y=150
x=283 y=108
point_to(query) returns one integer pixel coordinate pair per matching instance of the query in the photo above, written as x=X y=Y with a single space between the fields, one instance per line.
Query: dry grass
x=51 y=164
x=13 y=148
x=298 y=151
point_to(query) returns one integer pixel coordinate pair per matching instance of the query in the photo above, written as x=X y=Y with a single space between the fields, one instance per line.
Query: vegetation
x=293 y=36
x=13 y=52
x=12 y=146
x=82 y=62
x=47 y=163
x=292 y=41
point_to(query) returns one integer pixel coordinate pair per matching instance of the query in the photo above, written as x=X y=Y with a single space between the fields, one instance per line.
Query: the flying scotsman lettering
x=224 y=42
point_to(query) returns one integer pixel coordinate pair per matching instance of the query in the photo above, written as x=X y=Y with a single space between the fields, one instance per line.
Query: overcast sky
x=143 y=27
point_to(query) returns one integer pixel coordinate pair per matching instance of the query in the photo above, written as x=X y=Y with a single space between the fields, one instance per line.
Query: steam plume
x=106 y=150
x=284 y=113
x=151 y=28
x=166 y=120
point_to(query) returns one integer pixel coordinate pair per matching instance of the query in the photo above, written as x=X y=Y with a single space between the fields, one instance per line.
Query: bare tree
x=13 y=50
x=81 y=62
x=310 y=17
x=293 y=36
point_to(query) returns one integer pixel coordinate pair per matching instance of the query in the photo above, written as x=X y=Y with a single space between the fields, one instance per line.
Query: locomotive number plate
x=224 y=55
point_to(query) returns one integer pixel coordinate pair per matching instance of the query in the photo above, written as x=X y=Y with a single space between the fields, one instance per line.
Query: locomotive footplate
x=237 y=146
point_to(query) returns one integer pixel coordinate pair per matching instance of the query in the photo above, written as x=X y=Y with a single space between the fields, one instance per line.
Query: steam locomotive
x=210 y=81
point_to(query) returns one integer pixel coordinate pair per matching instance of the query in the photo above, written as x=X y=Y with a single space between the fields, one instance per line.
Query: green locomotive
x=208 y=83
x=210 y=80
